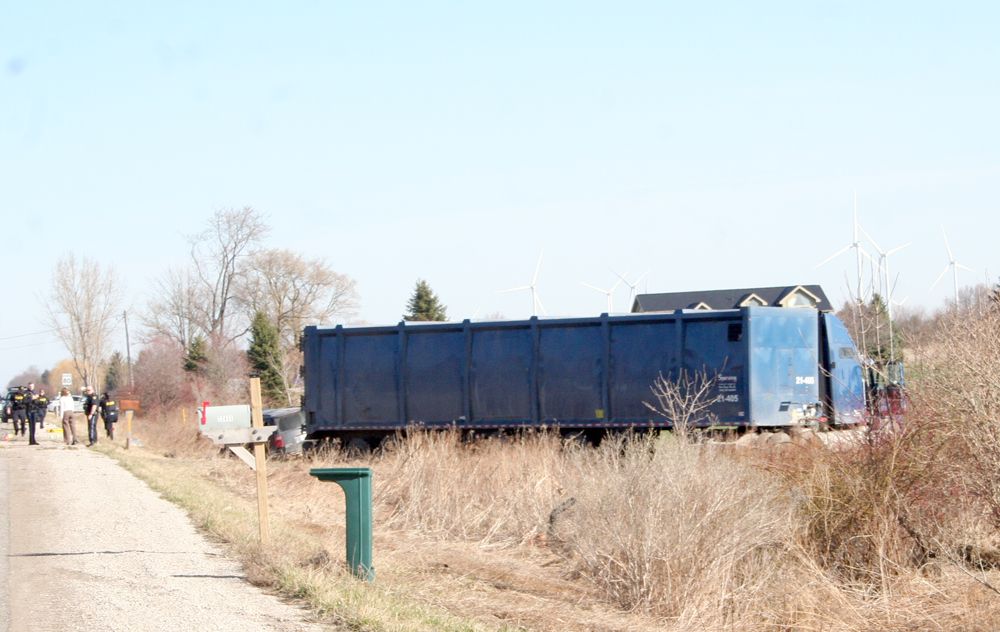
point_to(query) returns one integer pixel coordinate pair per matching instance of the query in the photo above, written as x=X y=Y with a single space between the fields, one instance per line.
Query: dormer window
x=800 y=297
x=753 y=301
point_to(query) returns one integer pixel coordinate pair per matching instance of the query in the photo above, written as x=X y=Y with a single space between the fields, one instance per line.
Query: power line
x=33 y=333
x=55 y=329
x=34 y=344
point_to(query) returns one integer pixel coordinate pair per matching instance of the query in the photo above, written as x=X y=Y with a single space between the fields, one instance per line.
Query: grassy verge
x=297 y=565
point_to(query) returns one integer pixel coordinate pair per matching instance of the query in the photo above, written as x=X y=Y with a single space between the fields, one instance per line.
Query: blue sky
x=712 y=145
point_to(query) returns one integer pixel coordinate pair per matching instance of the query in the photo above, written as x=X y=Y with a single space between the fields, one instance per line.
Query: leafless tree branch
x=685 y=400
x=81 y=309
x=217 y=255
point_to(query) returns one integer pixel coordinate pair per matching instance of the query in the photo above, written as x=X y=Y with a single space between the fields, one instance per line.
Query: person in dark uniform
x=36 y=411
x=109 y=413
x=90 y=410
x=19 y=401
x=41 y=407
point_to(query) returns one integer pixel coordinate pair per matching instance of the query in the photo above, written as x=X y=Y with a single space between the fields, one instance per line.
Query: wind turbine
x=855 y=244
x=883 y=264
x=610 y=293
x=633 y=287
x=536 y=303
x=905 y=298
x=953 y=264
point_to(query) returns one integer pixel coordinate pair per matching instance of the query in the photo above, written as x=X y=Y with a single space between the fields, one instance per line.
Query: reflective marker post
x=128 y=428
x=357 y=485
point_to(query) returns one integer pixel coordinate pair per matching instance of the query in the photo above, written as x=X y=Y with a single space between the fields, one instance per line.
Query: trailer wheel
x=358 y=447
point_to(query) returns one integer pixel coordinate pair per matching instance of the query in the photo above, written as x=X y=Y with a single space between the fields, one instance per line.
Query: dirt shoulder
x=92 y=547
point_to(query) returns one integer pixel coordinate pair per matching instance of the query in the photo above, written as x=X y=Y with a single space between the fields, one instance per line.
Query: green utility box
x=357 y=485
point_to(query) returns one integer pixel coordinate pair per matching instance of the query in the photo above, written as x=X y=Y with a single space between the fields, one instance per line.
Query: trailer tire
x=358 y=447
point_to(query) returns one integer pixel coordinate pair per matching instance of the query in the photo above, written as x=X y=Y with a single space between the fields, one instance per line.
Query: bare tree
x=685 y=400
x=172 y=313
x=217 y=256
x=292 y=291
x=81 y=309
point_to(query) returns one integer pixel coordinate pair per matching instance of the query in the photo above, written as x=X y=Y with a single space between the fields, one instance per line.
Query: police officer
x=109 y=413
x=40 y=408
x=90 y=410
x=32 y=413
x=19 y=402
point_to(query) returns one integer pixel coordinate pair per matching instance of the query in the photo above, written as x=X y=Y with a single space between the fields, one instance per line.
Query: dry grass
x=639 y=533
x=494 y=492
x=675 y=529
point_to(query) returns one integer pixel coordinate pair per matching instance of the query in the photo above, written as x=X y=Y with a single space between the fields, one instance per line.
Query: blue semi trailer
x=770 y=367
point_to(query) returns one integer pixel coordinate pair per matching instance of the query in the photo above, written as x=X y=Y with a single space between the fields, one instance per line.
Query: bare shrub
x=856 y=510
x=956 y=386
x=160 y=382
x=668 y=527
x=928 y=495
x=685 y=399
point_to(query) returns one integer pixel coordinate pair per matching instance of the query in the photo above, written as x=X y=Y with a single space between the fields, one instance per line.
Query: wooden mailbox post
x=236 y=426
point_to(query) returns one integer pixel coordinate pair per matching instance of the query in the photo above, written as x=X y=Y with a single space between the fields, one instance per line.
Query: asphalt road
x=84 y=545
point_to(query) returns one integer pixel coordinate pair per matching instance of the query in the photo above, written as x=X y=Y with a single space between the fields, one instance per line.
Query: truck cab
x=842 y=380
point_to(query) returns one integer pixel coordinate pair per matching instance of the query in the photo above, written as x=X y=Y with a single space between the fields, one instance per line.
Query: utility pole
x=128 y=354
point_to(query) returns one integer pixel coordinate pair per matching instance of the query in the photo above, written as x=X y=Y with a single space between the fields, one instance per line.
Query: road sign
x=67 y=379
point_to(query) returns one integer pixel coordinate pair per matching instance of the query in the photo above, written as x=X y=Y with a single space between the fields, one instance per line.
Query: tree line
x=236 y=307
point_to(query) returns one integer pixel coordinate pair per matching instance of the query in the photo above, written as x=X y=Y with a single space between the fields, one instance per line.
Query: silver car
x=77 y=404
x=290 y=436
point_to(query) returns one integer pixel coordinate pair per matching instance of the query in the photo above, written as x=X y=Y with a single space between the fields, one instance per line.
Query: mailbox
x=218 y=418
x=230 y=425
x=357 y=485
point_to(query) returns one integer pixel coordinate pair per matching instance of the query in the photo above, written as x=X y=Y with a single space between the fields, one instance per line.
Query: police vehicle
x=6 y=412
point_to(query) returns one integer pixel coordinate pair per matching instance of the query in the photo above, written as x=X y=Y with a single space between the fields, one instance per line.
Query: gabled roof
x=728 y=299
x=752 y=298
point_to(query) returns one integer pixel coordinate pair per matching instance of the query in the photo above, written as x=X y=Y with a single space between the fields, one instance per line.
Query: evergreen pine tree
x=113 y=377
x=264 y=355
x=196 y=356
x=424 y=305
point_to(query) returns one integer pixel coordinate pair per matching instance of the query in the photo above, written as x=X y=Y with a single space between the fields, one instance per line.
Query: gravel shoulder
x=85 y=545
